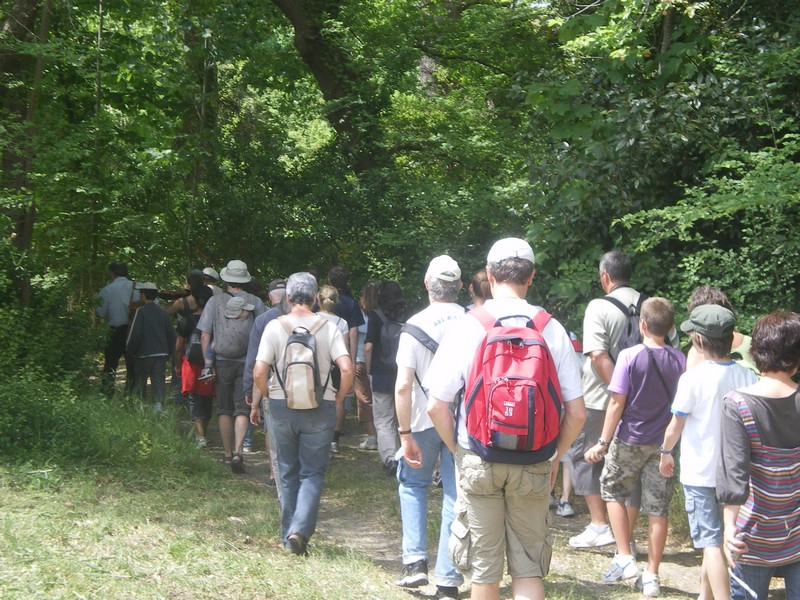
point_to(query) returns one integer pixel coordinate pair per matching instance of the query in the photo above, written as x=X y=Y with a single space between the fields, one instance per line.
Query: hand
x=554 y=474
x=666 y=465
x=248 y=400
x=595 y=453
x=255 y=413
x=411 y=451
x=733 y=545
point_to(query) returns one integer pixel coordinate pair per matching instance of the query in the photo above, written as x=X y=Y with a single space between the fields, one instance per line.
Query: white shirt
x=450 y=367
x=411 y=354
x=699 y=397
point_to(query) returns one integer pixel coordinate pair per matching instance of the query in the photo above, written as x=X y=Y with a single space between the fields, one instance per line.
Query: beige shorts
x=501 y=509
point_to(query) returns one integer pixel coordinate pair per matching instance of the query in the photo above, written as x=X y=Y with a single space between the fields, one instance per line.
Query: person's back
x=496 y=509
x=696 y=420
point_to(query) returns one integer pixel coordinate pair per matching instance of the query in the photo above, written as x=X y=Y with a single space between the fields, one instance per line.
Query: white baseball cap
x=510 y=248
x=445 y=268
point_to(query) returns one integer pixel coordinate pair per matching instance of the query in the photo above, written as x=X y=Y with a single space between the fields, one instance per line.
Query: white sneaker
x=618 y=572
x=370 y=443
x=335 y=447
x=158 y=408
x=201 y=442
x=591 y=537
x=565 y=509
x=649 y=585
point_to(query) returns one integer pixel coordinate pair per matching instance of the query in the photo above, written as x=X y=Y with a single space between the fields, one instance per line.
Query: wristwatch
x=663 y=451
x=602 y=442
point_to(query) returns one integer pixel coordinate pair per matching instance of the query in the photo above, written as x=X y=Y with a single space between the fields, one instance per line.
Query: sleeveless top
x=770 y=518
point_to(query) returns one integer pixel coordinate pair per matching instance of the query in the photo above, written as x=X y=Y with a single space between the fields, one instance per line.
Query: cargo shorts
x=501 y=509
x=625 y=466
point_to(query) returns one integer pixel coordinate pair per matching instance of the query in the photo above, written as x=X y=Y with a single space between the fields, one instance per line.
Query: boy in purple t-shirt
x=642 y=386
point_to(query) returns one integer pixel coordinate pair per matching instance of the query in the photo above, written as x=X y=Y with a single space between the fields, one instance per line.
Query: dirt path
x=369 y=534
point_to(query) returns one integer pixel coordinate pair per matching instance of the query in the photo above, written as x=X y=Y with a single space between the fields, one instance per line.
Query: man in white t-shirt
x=420 y=444
x=502 y=507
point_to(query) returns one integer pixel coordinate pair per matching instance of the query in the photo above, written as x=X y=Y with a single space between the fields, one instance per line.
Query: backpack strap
x=670 y=395
x=626 y=310
x=484 y=317
x=541 y=320
x=423 y=338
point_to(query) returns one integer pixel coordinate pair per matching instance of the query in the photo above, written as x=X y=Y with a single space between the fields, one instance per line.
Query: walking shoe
x=591 y=537
x=247 y=449
x=206 y=373
x=335 y=447
x=414 y=575
x=446 y=592
x=390 y=468
x=297 y=544
x=436 y=478
x=565 y=509
x=201 y=442
x=648 y=584
x=369 y=443
x=158 y=408
x=618 y=572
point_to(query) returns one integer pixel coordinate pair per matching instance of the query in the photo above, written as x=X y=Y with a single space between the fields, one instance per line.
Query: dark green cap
x=710 y=320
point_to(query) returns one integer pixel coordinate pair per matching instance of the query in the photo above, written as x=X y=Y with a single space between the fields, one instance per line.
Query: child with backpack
x=696 y=420
x=642 y=387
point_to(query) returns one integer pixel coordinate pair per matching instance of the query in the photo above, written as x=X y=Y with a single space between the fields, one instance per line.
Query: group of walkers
x=467 y=399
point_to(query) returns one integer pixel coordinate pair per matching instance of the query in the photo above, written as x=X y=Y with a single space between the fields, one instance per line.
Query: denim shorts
x=705 y=516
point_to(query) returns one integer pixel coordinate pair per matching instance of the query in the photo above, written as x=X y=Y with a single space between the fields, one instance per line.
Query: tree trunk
x=19 y=105
x=336 y=78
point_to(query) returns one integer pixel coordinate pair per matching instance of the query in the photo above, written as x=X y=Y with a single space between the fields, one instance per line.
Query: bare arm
x=368 y=355
x=671 y=436
x=180 y=346
x=346 y=369
x=613 y=415
x=731 y=545
x=403 y=390
x=205 y=342
x=443 y=421
x=602 y=364
x=351 y=341
x=260 y=377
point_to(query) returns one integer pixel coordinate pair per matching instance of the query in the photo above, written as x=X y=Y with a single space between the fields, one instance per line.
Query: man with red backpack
x=515 y=365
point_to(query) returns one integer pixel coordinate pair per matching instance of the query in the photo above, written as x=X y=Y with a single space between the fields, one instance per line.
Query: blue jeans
x=758 y=578
x=413 y=491
x=303 y=441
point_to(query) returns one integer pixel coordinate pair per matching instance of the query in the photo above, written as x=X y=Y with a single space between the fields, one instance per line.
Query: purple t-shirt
x=647 y=410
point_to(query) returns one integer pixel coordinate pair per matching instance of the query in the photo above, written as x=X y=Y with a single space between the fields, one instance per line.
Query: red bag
x=513 y=398
x=189 y=383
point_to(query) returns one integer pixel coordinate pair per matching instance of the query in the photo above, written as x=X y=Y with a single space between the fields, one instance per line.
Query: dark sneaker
x=297 y=544
x=446 y=592
x=390 y=468
x=414 y=575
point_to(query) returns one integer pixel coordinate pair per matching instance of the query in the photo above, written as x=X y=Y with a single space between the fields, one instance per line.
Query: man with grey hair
x=228 y=357
x=302 y=437
x=502 y=507
x=420 y=443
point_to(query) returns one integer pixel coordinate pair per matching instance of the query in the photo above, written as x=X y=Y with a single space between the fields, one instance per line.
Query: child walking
x=642 y=386
x=697 y=415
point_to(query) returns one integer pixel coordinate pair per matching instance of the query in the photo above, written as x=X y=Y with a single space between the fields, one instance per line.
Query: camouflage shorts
x=625 y=466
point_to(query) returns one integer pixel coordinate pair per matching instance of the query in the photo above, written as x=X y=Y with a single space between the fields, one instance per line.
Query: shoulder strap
x=541 y=320
x=484 y=317
x=317 y=326
x=380 y=315
x=423 y=338
x=659 y=373
x=625 y=310
x=287 y=326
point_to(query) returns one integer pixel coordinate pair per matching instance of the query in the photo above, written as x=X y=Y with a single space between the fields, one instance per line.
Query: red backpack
x=512 y=398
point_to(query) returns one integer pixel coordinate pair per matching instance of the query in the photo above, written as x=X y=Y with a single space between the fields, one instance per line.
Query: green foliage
x=733 y=232
x=43 y=421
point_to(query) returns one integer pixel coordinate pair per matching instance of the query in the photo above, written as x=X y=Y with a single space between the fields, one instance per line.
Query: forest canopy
x=377 y=134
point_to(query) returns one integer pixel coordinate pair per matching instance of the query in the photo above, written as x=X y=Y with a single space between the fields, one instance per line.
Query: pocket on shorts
x=460 y=543
x=689 y=505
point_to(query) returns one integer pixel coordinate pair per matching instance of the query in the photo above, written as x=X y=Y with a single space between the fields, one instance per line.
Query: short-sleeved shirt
x=330 y=346
x=701 y=391
x=206 y=322
x=603 y=326
x=339 y=322
x=348 y=309
x=116 y=298
x=647 y=407
x=450 y=367
x=411 y=354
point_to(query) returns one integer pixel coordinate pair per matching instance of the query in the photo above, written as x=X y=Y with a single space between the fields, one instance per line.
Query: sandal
x=237 y=464
x=226 y=460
